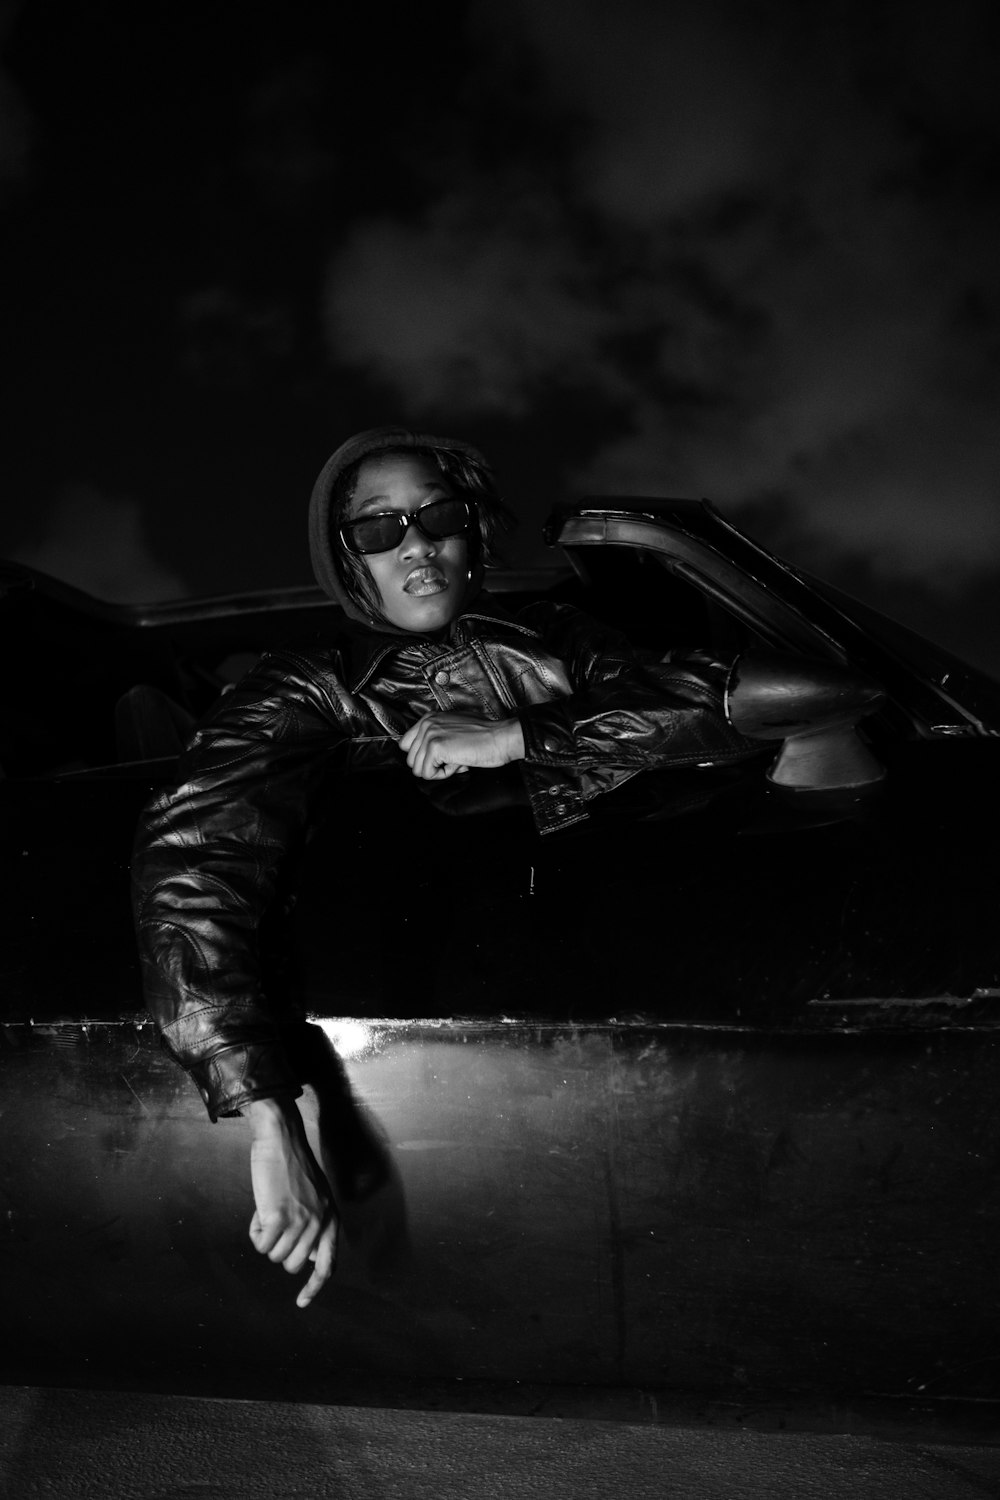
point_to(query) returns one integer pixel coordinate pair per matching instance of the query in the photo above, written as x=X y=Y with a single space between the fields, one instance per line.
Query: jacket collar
x=366 y=647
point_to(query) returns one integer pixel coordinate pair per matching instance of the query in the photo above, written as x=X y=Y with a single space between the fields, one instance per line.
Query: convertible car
x=690 y=1102
x=847 y=874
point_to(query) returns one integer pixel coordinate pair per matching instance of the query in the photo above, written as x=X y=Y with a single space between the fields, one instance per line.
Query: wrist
x=274 y=1116
x=513 y=745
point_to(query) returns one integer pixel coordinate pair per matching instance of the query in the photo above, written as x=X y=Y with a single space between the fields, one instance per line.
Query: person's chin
x=430 y=612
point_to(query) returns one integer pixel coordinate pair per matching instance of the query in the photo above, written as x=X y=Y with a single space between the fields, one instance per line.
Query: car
x=871 y=902
x=692 y=1098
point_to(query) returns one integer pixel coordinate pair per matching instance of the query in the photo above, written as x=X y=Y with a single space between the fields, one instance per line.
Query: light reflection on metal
x=350 y=1038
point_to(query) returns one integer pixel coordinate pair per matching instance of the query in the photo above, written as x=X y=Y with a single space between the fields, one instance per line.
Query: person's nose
x=415 y=544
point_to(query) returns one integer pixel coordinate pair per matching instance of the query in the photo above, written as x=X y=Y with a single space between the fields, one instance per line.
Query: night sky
x=742 y=250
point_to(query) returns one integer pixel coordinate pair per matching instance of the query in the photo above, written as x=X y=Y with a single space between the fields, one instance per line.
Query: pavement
x=76 y=1444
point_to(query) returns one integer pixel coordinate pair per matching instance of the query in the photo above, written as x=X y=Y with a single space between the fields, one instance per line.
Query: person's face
x=421 y=582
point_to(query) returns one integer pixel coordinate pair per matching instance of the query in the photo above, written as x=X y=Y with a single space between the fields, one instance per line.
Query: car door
x=693 y=896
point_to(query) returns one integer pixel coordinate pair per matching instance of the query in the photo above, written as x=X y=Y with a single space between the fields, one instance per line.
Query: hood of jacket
x=323 y=545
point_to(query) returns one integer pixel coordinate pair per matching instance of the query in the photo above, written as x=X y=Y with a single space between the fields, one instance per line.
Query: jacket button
x=555 y=791
x=442 y=677
x=550 y=744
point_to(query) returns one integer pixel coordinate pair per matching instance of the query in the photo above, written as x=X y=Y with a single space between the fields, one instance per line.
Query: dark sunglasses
x=435 y=520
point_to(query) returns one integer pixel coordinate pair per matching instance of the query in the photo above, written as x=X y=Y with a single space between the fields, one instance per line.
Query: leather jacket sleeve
x=208 y=853
x=629 y=711
x=204 y=871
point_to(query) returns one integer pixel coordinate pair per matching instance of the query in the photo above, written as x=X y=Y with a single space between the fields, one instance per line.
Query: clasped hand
x=441 y=744
x=295 y=1221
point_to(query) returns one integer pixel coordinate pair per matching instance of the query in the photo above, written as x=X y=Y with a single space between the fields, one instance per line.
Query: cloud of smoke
x=98 y=544
x=674 y=97
x=470 y=310
x=769 y=249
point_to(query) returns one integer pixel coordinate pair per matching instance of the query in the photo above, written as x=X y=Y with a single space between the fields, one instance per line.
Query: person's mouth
x=425 y=580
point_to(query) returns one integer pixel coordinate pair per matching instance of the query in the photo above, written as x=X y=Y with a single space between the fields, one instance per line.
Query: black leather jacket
x=594 y=712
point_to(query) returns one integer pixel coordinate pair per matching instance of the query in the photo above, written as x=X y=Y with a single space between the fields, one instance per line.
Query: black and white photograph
x=500 y=750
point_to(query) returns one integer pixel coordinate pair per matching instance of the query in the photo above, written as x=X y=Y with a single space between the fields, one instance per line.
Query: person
x=426 y=670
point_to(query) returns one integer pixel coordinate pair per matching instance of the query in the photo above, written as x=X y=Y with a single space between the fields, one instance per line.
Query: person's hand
x=438 y=745
x=295 y=1222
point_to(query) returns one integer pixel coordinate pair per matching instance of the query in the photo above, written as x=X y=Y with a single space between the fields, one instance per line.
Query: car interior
x=94 y=684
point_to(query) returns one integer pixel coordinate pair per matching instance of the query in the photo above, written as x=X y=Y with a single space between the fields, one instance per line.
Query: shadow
x=355 y=1156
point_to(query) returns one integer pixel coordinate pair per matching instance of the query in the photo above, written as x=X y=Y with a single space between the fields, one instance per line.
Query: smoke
x=674 y=98
x=98 y=544
x=766 y=243
x=471 y=310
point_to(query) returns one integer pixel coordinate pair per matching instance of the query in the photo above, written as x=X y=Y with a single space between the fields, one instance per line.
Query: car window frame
x=753 y=587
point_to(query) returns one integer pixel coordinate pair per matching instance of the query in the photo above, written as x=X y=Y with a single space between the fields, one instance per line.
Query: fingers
x=265 y=1233
x=438 y=770
x=287 y=1241
x=441 y=745
x=258 y=1234
x=434 y=746
x=294 y=1246
x=293 y=1211
x=325 y=1258
x=427 y=754
x=418 y=743
x=415 y=740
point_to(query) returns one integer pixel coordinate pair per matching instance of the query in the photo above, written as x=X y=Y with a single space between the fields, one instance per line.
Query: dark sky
x=741 y=250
